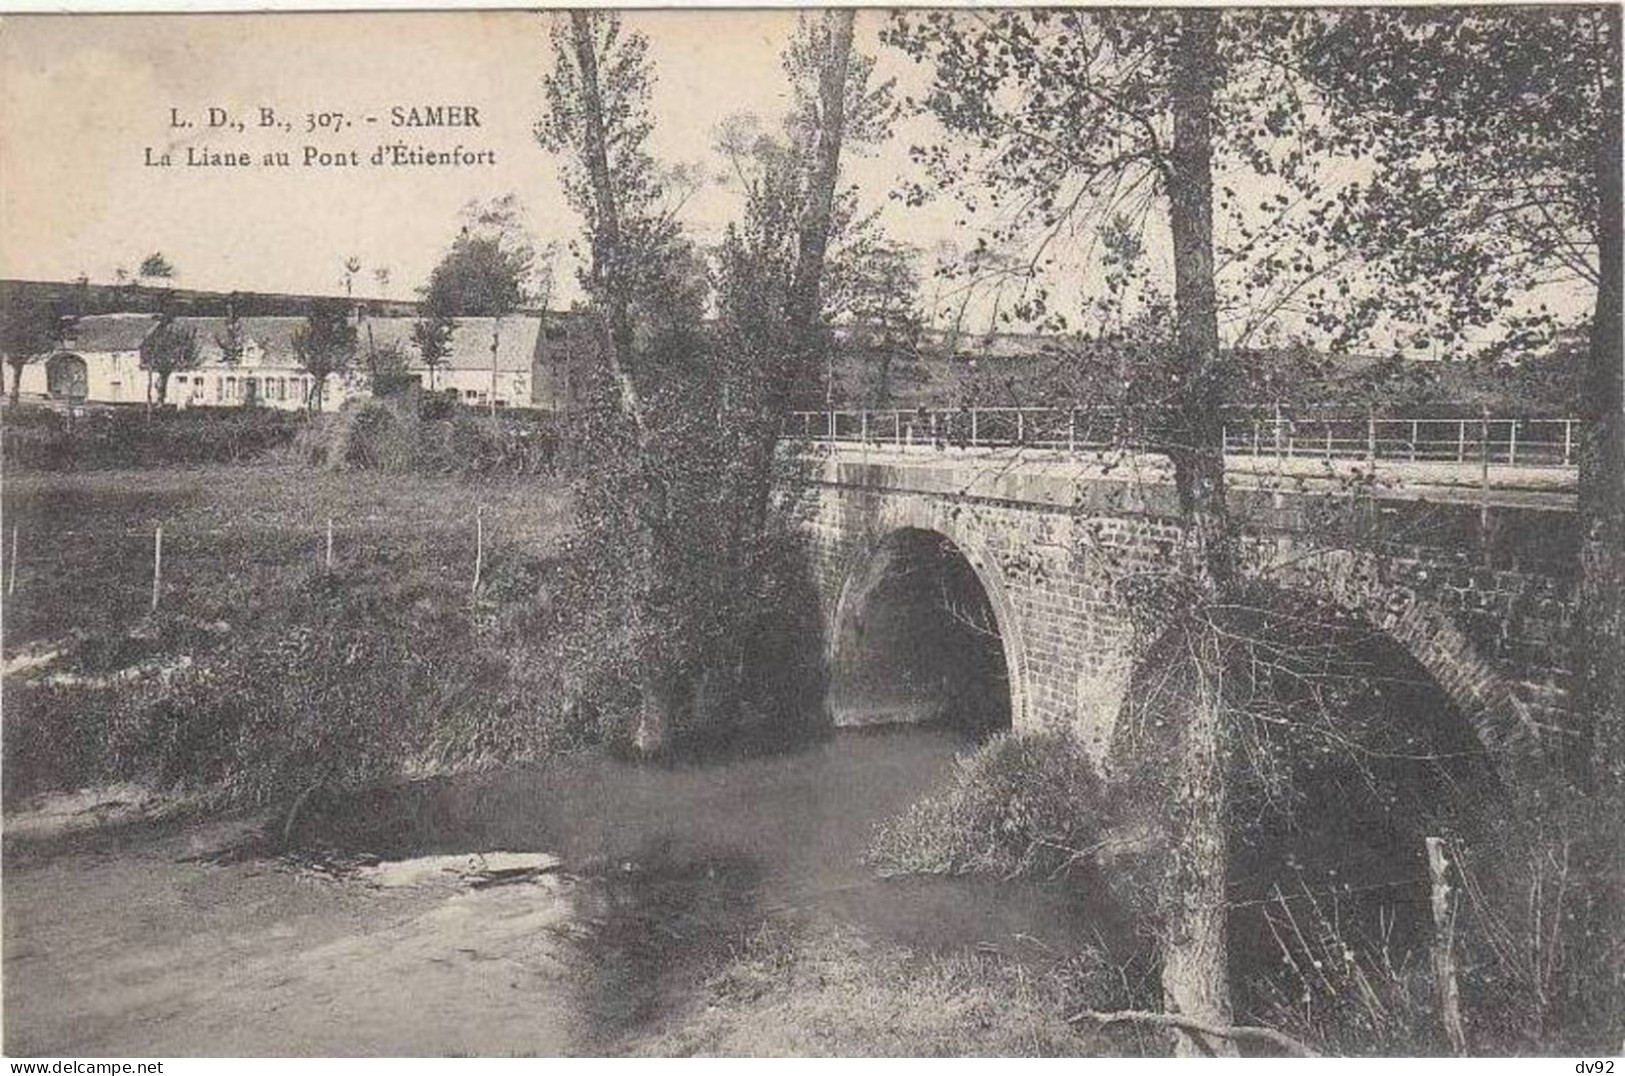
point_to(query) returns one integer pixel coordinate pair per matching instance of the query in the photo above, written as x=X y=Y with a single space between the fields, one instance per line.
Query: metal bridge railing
x=1499 y=439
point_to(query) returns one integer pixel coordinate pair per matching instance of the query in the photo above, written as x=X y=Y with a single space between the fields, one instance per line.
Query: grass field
x=235 y=538
x=263 y=671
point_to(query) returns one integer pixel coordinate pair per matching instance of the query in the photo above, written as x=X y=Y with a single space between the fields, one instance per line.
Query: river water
x=672 y=866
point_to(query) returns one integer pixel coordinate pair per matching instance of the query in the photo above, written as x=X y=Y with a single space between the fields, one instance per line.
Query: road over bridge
x=926 y=544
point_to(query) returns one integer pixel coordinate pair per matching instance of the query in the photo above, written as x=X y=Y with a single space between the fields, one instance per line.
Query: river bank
x=712 y=909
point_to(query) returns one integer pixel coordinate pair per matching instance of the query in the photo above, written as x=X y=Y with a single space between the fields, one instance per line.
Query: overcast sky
x=86 y=95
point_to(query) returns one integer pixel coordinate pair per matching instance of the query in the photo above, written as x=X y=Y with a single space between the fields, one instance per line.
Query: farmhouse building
x=524 y=360
x=100 y=360
x=268 y=373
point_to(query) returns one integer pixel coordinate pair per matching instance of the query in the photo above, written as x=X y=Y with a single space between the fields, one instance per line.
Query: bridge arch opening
x=1343 y=753
x=919 y=638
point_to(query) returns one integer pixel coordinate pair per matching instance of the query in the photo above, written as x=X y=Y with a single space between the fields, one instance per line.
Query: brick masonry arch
x=1478 y=597
x=1358 y=582
x=866 y=562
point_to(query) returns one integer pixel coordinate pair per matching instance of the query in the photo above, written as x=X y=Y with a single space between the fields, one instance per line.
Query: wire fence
x=166 y=555
x=1511 y=440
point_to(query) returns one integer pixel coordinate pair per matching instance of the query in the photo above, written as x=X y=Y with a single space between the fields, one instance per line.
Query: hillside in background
x=1083 y=373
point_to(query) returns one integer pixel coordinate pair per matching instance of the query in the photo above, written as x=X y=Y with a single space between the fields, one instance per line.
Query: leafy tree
x=169 y=348
x=352 y=266
x=388 y=370
x=488 y=270
x=1469 y=239
x=156 y=267
x=232 y=341
x=1081 y=119
x=325 y=345
x=875 y=287
x=597 y=123
x=1107 y=123
x=431 y=335
x=477 y=278
x=802 y=254
x=29 y=330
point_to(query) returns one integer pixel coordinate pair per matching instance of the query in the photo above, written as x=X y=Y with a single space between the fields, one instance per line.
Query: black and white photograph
x=996 y=532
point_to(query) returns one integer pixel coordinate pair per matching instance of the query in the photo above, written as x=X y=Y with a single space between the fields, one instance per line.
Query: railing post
x=1021 y=426
x=1461 y=440
x=973 y=427
x=897 y=417
x=1568 y=441
x=832 y=424
x=863 y=426
x=1416 y=433
x=1328 y=439
x=1484 y=470
x=1512 y=445
x=1371 y=438
x=1072 y=429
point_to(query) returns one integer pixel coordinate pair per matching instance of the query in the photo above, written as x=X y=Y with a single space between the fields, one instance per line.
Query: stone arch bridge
x=1471 y=573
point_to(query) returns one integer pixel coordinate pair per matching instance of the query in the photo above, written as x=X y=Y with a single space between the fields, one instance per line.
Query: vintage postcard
x=964 y=531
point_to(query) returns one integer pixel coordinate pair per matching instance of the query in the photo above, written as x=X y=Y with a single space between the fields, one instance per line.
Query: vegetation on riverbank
x=814 y=989
x=265 y=670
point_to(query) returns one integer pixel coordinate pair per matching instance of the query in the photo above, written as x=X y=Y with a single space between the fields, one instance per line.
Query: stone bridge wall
x=1480 y=597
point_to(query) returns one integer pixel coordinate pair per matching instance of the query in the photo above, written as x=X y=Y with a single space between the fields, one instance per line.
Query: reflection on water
x=676 y=864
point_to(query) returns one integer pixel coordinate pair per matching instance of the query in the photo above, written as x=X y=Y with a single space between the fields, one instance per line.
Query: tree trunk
x=1195 y=975
x=804 y=306
x=607 y=277
x=1601 y=605
x=813 y=232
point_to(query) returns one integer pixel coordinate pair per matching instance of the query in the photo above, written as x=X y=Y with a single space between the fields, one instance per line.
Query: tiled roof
x=109 y=332
x=274 y=335
x=516 y=339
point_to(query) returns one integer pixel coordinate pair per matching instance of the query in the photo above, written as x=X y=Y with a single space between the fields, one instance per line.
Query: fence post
x=832 y=424
x=157 y=564
x=973 y=427
x=897 y=417
x=1568 y=441
x=1371 y=438
x=1512 y=444
x=1416 y=434
x=1444 y=961
x=479 y=544
x=327 y=560
x=1072 y=429
x=1484 y=469
x=1461 y=440
x=1021 y=426
x=11 y=564
x=863 y=426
